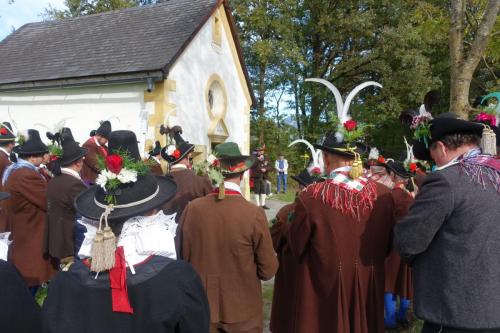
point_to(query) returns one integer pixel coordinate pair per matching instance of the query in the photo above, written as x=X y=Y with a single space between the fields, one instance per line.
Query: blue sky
x=21 y=12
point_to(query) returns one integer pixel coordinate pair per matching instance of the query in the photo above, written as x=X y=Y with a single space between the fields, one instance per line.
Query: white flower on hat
x=103 y=178
x=127 y=176
x=211 y=159
x=170 y=150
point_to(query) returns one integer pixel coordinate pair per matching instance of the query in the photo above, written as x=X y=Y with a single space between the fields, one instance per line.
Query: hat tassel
x=488 y=141
x=104 y=245
x=222 y=191
x=357 y=167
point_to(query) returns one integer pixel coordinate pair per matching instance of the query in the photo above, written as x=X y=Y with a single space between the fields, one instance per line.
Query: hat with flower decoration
x=124 y=188
x=347 y=139
x=31 y=145
x=430 y=130
x=6 y=133
x=177 y=148
x=225 y=162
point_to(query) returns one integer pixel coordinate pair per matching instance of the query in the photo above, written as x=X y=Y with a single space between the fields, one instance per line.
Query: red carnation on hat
x=114 y=163
x=52 y=157
x=350 y=125
x=316 y=171
x=381 y=159
x=413 y=167
x=176 y=154
x=3 y=131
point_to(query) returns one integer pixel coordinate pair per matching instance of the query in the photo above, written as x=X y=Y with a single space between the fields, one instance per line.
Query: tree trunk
x=463 y=65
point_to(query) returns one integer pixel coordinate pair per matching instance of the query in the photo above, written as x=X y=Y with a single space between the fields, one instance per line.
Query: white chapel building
x=173 y=63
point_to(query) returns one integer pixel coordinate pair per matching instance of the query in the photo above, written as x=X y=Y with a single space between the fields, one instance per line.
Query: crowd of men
x=126 y=245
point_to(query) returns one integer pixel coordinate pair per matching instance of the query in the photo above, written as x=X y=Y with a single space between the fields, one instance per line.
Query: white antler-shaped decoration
x=317 y=155
x=343 y=108
x=410 y=158
x=57 y=127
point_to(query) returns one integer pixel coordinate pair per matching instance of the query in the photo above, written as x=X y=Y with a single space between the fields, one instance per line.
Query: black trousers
x=433 y=328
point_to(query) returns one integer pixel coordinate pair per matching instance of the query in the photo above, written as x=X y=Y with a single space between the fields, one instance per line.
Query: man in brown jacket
x=285 y=279
x=154 y=160
x=189 y=185
x=61 y=194
x=26 y=212
x=96 y=146
x=7 y=143
x=227 y=241
x=340 y=236
x=397 y=272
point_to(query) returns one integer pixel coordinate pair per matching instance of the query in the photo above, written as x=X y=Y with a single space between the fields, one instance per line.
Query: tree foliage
x=404 y=45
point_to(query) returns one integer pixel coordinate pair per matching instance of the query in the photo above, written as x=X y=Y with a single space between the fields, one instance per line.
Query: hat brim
x=336 y=151
x=183 y=155
x=248 y=160
x=86 y=206
x=299 y=180
x=83 y=152
x=401 y=173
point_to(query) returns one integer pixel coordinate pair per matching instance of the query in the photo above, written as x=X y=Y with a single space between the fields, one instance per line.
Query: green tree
x=472 y=24
x=86 y=7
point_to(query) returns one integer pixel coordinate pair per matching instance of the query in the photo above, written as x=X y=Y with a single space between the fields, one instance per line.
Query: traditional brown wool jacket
x=397 y=272
x=4 y=163
x=90 y=169
x=229 y=245
x=61 y=214
x=189 y=187
x=285 y=279
x=26 y=218
x=155 y=167
x=340 y=280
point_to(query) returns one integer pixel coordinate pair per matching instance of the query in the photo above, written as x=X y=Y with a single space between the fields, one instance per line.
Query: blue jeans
x=281 y=179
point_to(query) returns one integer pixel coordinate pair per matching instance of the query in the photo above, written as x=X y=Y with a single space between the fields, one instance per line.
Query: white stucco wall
x=192 y=72
x=123 y=105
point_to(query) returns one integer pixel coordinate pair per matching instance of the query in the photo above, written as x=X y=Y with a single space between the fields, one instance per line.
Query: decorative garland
x=422 y=127
x=56 y=152
x=117 y=169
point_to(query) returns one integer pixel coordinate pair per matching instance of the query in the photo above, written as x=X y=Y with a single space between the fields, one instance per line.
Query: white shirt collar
x=449 y=164
x=5 y=151
x=342 y=169
x=178 y=166
x=71 y=172
x=97 y=142
x=232 y=186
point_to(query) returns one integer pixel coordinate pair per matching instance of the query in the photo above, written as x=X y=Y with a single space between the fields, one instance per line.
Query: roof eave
x=96 y=80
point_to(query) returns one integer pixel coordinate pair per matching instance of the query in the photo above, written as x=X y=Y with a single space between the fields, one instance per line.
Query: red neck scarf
x=118 y=281
x=226 y=192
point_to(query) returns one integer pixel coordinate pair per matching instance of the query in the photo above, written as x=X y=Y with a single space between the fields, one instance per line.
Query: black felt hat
x=441 y=126
x=156 y=149
x=72 y=151
x=304 y=178
x=182 y=146
x=124 y=141
x=132 y=199
x=33 y=145
x=105 y=129
x=398 y=168
x=332 y=145
x=6 y=133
